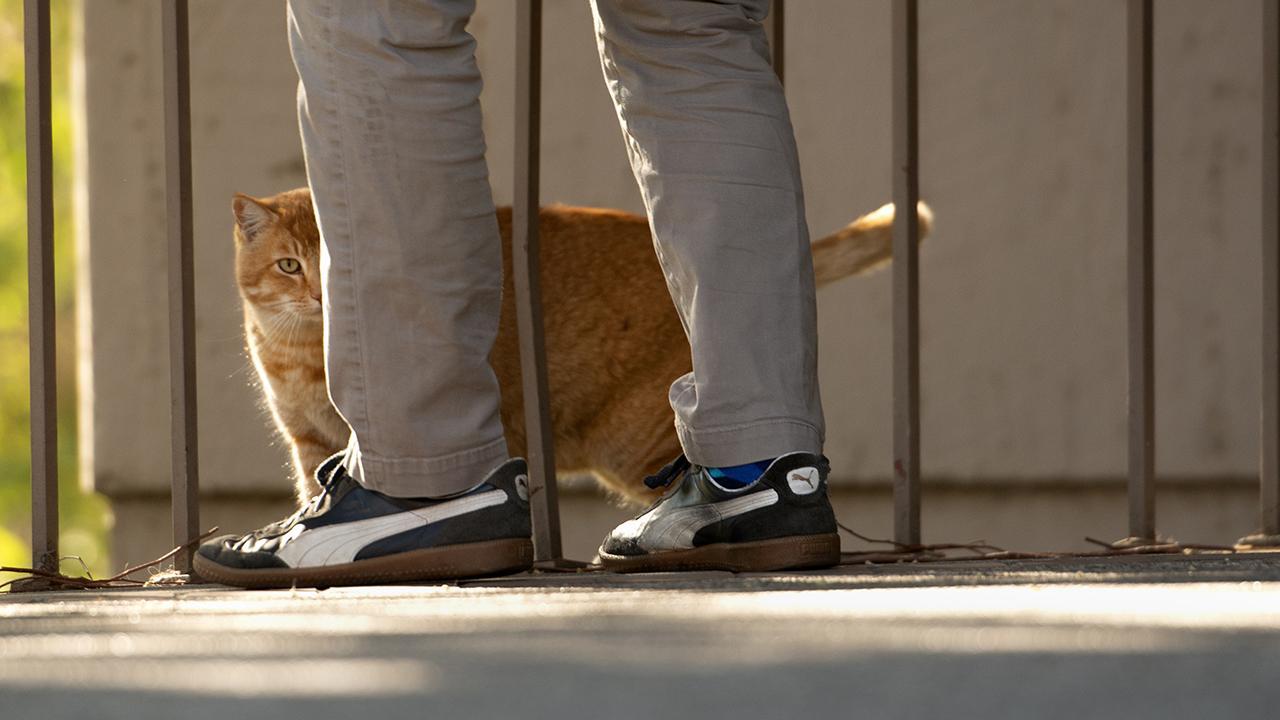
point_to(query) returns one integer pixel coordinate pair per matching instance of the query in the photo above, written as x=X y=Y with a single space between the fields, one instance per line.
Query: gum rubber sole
x=797 y=552
x=451 y=562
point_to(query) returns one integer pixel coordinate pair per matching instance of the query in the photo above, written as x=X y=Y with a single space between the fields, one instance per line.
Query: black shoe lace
x=668 y=473
x=326 y=476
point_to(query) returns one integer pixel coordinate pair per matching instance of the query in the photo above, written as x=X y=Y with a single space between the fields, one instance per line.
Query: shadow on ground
x=1167 y=638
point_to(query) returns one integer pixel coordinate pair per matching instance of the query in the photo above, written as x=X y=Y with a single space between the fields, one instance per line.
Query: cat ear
x=251 y=215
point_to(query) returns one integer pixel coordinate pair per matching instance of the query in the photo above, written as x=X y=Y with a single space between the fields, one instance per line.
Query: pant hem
x=426 y=477
x=749 y=442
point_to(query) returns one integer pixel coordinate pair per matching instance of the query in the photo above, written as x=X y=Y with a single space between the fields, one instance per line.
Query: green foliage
x=85 y=517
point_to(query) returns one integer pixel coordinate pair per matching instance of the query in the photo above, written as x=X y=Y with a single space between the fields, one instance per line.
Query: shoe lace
x=326 y=476
x=668 y=473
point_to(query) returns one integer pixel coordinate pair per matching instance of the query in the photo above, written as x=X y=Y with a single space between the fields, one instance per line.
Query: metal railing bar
x=543 y=494
x=778 y=39
x=40 y=285
x=1141 y=396
x=182 y=356
x=906 y=284
x=1270 y=441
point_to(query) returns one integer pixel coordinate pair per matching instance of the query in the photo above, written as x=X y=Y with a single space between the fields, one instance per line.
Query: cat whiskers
x=280 y=329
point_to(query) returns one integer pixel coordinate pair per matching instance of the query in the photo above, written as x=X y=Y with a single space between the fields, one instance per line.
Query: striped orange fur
x=614 y=341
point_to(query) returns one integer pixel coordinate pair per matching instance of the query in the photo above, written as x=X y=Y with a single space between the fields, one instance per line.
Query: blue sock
x=738 y=476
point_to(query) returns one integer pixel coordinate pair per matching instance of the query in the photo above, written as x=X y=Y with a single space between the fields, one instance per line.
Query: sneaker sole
x=797 y=552
x=452 y=562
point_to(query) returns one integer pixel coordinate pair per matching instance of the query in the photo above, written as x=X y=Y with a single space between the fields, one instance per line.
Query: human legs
x=710 y=141
x=388 y=104
x=390 y=118
x=711 y=146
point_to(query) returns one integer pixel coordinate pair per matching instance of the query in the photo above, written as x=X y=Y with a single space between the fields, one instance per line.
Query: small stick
x=974 y=546
x=130 y=570
x=982 y=550
x=88 y=583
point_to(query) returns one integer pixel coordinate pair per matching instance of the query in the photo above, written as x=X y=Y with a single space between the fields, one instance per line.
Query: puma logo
x=803 y=481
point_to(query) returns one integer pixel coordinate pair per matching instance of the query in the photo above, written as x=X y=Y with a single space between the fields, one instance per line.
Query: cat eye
x=289 y=266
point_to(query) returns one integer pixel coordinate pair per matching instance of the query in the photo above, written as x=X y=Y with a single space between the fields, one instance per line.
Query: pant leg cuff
x=425 y=477
x=749 y=442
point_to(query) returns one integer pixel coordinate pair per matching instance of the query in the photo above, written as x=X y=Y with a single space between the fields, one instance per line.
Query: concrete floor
x=1158 y=637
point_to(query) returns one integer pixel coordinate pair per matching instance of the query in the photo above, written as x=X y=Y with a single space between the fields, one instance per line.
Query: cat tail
x=861 y=246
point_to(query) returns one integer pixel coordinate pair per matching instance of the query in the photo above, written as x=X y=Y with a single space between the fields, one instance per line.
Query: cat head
x=278 y=255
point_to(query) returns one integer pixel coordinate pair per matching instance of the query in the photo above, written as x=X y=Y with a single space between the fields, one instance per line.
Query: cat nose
x=315 y=296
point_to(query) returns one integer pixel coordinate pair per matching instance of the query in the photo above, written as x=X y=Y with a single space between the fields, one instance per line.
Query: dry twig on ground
x=56 y=580
x=982 y=550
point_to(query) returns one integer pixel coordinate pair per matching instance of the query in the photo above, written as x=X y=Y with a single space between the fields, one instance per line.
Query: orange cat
x=614 y=341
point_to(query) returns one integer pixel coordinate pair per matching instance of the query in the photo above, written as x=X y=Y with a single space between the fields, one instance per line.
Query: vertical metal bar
x=1270 y=470
x=182 y=356
x=906 y=290
x=41 y=330
x=778 y=40
x=1140 y=267
x=543 y=496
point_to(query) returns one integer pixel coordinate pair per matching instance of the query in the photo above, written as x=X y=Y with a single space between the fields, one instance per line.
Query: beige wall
x=1023 y=287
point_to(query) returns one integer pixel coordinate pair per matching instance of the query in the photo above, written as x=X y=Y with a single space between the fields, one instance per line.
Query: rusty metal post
x=1140 y=270
x=41 y=330
x=906 y=285
x=543 y=495
x=182 y=356
x=1269 y=470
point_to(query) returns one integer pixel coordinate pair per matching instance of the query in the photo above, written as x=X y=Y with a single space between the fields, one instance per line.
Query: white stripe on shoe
x=674 y=529
x=341 y=542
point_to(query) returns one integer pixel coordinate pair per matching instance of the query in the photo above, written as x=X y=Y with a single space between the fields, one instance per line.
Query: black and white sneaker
x=349 y=535
x=781 y=521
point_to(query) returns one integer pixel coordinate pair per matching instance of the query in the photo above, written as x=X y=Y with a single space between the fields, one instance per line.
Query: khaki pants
x=388 y=104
